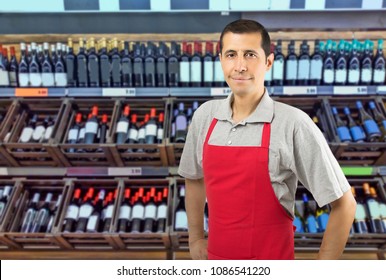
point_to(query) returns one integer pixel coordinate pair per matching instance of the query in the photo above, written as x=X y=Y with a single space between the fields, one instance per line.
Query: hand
x=199 y=249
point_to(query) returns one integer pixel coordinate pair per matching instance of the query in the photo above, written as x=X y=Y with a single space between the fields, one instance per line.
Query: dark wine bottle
x=123 y=126
x=181 y=220
x=162 y=198
x=150 y=213
x=72 y=213
x=150 y=66
x=30 y=214
x=138 y=212
x=116 y=67
x=60 y=68
x=85 y=211
x=105 y=66
x=185 y=66
x=70 y=59
x=124 y=215
x=82 y=65
x=42 y=218
x=173 y=67
x=91 y=129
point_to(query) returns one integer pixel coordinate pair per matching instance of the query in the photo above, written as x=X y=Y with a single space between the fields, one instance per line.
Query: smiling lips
x=240 y=79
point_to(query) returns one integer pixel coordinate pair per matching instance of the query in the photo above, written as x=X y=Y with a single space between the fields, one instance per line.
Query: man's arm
x=338 y=227
x=195 y=204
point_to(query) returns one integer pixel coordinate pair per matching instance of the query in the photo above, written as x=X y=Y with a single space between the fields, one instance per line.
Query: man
x=246 y=153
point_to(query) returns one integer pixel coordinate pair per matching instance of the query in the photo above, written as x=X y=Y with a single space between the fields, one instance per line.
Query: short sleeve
x=190 y=164
x=315 y=165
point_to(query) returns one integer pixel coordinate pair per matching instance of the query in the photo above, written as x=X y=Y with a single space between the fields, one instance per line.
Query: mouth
x=240 y=79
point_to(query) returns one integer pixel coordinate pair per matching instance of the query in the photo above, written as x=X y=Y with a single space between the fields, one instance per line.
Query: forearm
x=338 y=227
x=195 y=204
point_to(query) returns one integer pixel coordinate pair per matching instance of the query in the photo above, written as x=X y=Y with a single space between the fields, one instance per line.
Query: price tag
x=220 y=91
x=350 y=90
x=125 y=171
x=300 y=90
x=381 y=89
x=31 y=92
x=118 y=92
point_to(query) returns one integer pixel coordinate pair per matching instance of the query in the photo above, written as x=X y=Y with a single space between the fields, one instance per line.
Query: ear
x=269 y=62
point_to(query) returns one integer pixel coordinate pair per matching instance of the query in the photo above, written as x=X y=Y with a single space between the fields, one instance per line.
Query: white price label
x=381 y=89
x=125 y=171
x=118 y=92
x=350 y=90
x=299 y=90
x=220 y=91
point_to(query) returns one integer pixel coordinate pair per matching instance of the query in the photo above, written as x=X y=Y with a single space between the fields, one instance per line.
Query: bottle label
x=340 y=75
x=291 y=69
x=133 y=134
x=383 y=210
x=322 y=222
x=328 y=76
x=38 y=133
x=35 y=79
x=151 y=130
x=73 y=134
x=91 y=127
x=72 y=212
x=268 y=75
x=312 y=226
x=26 y=135
x=109 y=211
x=150 y=211
x=181 y=123
x=138 y=211
x=379 y=76
x=374 y=209
x=124 y=212
x=92 y=223
x=357 y=133
x=160 y=133
x=371 y=127
x=85 y=211
x=48 y=133
x=366 y=75
x=353 y=76
x=360 y=212
x=195 y=71
x=141 y=133
x=316 y=69
x=208 y=71
x=304 y=69
x=48 y=79
x=23 y=79
x=278 y=69
x=181 y=220
x=13 y=79
x=185 y=71
x=218 y=73
x=344 y=134
x=61 y=79
x=162 y=211
x=123 y=126
x=4 y=78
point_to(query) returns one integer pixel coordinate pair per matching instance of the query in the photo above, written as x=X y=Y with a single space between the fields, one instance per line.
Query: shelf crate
x=24 y=191
x=31 y=154
x=145 y=241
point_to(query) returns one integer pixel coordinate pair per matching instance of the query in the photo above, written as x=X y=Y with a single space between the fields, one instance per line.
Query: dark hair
x=241 y=26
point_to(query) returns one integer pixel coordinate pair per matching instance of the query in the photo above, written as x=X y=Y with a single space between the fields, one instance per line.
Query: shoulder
x=208 y=109
x=290 y=117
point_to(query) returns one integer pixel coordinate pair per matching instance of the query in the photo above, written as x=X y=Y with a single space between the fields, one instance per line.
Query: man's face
x=244 y=62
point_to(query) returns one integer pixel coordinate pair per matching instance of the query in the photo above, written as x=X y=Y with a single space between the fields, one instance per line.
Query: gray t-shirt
x=298 y=150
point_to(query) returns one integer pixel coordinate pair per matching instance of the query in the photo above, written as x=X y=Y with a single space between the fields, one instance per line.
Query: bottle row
x=142 y=132
x=79 y=210
x=169 y=64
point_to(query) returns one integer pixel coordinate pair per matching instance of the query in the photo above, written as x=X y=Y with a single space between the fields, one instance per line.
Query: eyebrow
x=245 y=51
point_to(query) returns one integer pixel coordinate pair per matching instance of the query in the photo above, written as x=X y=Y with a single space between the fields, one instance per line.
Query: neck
x=243 y=106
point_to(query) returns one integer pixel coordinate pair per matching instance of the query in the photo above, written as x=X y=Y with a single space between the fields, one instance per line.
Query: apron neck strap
x=266 y=135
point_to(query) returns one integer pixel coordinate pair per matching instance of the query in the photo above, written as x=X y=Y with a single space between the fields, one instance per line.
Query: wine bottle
x=13 y=69
x=123 y=126
x=278 y=66
x=116 y=68
x=160 y=128
x=93 y=222
x=85 y=211
x=322 y=216
x=132 y=136
x=53 y=213
x=150 y=213
x=356 y=131
x=304 y=64
x=309 y=217
x=142 y=133
x=380 y=119
x=329 y=65
x=161 y=66
x=151 y=128
x=27 y=132
x=105 y=67
x=218 y=74
x=372 y=206
x=374 y=195
x=379 y=65
x=35 y=73
x=341 y=128
x=354 y=66
x=6 y=192
x=48 y=79
x=268 y=74
x=108 y=211
x=30 y=214
x=162 y=210
x=181 y=124
x=181 y=220
x=196 y=66
x=82 y=65
x=42 y=218
x=93 y=64
x=70 y=60
x=138 y=67
x=138 y=212
x=39 y=132
x=23 y=74
x=60 y=68
x=366 y=65
x=298 y=221
x=208 y=61
x=127 y=67
x=370 y=126
x=150 y=66
x=316 y=65
x=91 y=129
x=291 y=69
x=185 y=66
x=4 y=67
x=173 y=66
x=72 y=213
x=49 y=124
x=360 y=218
x=341 y=66
x=73 y=133
x=124 y=215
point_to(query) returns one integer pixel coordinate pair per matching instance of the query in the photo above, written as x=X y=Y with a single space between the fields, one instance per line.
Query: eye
x=230 y=55
x=250 y=55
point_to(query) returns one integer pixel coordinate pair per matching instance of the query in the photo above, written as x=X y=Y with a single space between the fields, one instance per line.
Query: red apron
x=246 y=220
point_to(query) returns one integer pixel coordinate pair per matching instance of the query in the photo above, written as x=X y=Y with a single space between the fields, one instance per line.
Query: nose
x=241 y=64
